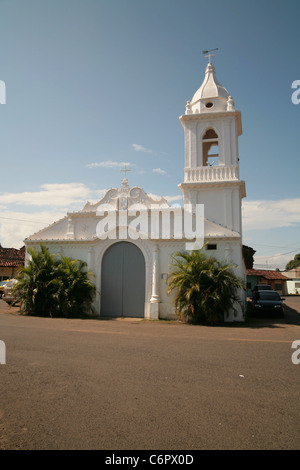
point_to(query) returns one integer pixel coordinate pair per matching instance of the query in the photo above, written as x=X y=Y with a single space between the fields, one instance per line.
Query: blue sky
x=94 y=83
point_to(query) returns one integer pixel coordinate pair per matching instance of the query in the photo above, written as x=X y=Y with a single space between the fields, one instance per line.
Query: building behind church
x=11 y=262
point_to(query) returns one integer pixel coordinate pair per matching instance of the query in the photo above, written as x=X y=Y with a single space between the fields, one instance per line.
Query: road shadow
x=291 y=317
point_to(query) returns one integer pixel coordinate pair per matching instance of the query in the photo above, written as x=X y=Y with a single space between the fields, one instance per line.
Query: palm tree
x=53 y=285
x=35 y=287
x=75 y=291
x=205 y=288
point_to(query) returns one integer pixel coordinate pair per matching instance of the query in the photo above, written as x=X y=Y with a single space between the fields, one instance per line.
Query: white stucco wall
x=92 y=254
x=293 y=286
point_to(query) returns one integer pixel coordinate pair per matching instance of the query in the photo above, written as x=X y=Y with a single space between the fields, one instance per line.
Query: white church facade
x=128 y=238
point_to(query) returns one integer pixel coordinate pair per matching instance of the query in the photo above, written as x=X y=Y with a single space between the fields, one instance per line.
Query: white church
x=127 y=238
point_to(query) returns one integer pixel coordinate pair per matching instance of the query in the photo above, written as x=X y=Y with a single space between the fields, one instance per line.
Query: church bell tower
x=211 y=174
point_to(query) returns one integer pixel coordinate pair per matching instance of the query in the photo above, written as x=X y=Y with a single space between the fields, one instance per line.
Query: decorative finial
x=230 y=104
x=209 y=54
x=188 y=108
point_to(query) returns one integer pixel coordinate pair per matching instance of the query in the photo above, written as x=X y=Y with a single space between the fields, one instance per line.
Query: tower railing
x=211 y=174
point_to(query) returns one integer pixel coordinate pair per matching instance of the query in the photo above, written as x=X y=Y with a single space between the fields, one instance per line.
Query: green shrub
x=52 y=285
x=205 y=289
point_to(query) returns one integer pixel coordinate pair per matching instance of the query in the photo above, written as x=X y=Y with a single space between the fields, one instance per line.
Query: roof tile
x=10 y=257
x=267 y=274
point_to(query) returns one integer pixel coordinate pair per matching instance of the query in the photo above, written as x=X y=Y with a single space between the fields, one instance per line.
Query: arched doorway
x=123 y=281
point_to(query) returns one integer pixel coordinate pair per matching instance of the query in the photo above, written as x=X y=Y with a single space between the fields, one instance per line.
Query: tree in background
x=205 y=289
x=294 y=263
x=51 y=285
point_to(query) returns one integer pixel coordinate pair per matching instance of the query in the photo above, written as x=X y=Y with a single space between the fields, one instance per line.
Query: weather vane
x=209 y=55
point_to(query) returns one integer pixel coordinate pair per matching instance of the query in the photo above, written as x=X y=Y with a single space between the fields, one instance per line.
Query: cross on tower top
x=209 y=55
x=125 y=170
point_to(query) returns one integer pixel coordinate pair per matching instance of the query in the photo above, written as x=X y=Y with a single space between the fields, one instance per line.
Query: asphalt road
x=135 y=384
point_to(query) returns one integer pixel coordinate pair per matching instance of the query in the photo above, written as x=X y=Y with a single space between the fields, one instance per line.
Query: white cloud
x=108 y=164
x=174 y=198
x=156 y=197
x=16 y=226
x=168 y=198
x=49 y=195
x=159 y=170
x=263 y=214
x=56 y=200
x=54 y=195
x=140 y=148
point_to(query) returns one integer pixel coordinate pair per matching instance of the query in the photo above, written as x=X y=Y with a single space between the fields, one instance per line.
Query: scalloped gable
x=115 y=197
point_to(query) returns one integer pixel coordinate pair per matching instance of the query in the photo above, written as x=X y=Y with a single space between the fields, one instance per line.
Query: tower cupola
x=211 y=96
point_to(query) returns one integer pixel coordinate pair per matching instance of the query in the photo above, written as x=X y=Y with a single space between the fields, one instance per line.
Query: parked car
x=267 y=302
x=2 y=284
x=8 y=296
x=258 y=287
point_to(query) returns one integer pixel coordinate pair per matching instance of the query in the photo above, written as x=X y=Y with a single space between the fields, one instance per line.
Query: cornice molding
x=213 y=116
x=211 y=184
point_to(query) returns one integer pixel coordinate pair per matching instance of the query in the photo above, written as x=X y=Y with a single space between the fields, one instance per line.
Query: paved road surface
x=134 y=384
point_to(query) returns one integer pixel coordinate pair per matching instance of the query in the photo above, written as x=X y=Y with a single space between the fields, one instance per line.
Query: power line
x=273 y=246
x=282 y=254
x=25 y=220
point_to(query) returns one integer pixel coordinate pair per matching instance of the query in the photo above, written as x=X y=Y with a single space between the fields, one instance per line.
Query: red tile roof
x=267 y=274
x=11 y=257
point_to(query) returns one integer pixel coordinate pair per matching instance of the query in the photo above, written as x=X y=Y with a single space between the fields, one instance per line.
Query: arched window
x=210 y=148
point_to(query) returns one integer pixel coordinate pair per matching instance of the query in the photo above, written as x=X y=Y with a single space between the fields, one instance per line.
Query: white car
x=8 y=295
